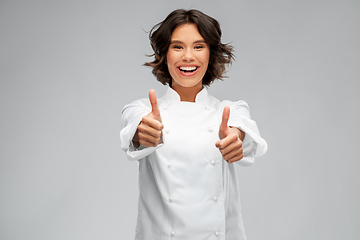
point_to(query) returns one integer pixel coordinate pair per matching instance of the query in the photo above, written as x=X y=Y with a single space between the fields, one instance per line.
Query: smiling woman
x=187 y=141
x=207 y=29
x=187 y=59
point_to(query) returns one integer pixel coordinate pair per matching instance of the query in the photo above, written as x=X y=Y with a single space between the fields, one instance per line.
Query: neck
x=187 y=94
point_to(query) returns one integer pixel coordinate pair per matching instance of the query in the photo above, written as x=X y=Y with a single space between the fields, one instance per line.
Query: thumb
x=223 y=130
x=154 y=106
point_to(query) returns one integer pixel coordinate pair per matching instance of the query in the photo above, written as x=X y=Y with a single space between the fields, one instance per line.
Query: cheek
x=169 y=60
x=170 y=67
x=208 y=57
x=205 y=57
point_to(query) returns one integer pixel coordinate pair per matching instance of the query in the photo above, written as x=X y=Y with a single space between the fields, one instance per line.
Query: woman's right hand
x=149 y=130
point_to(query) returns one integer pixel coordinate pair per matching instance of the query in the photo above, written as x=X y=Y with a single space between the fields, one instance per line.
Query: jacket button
x=210 y=129
x=217 y=234
x=212 y=162
x=167 y=131
x=172 y=233
x=215 y=199
x=171 y=199
x=207 y=108
x=169 y=165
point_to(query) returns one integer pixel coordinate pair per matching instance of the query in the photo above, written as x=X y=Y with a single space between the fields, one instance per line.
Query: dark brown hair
x=160 y=37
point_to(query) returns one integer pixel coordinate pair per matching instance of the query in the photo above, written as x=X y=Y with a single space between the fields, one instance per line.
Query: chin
x=187 y=84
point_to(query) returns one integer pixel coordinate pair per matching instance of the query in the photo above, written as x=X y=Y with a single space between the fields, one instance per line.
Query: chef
x=187 y=142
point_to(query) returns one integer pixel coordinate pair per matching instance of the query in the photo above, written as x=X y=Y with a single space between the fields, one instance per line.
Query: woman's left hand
x=230 y=144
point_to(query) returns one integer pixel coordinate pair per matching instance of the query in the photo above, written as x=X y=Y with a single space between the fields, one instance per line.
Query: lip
x=188 y=74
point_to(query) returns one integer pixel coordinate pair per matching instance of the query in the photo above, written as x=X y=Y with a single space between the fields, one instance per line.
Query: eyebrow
x=178 y=41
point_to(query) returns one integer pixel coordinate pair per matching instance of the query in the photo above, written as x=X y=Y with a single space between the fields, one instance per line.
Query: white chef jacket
x=187 y=190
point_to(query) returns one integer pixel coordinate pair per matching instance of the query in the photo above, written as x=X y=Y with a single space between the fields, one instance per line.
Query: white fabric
x=187 y=191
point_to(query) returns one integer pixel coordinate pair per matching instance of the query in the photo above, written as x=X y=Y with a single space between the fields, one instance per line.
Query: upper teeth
x=188 y=68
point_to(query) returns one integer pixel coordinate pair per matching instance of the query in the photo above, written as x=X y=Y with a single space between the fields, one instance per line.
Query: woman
x=187 y=141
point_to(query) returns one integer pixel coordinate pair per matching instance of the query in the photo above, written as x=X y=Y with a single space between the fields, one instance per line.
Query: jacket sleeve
x=131 y=117
x=253 y=144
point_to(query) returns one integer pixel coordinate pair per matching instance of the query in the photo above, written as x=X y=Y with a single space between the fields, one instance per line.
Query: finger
x=234 y=146
x=235 y=159
x=148 y=140
x=225 y=117
x=148 y=144
x=234 y=154
x=227 y=140
x=145 y=129
x=223 y=130
x=154 y=106
x=152 y=123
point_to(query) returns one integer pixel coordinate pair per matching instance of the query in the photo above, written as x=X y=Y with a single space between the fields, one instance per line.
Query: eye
x=177 y=47
x=199 y=47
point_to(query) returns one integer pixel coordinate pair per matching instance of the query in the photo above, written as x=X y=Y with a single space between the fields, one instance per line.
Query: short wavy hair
x=221 y=54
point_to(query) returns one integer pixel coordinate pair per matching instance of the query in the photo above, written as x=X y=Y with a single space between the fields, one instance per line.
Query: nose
x=188 y=55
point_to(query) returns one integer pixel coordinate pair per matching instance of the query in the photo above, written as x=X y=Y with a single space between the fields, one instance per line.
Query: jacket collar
x=171 y=94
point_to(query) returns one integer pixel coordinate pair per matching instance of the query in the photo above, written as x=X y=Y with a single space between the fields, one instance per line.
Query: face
x=187 y=56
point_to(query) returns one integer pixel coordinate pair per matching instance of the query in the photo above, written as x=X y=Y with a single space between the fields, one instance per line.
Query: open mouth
x=188 y=69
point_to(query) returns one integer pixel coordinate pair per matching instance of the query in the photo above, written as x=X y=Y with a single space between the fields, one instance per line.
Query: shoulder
x=241 y=104
x=142 y=103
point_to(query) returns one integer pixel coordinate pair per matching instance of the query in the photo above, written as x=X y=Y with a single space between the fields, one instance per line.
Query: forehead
x=186 y=32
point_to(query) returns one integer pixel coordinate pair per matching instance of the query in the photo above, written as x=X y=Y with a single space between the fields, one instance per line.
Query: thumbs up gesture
x=230 y=144
x=148 y=132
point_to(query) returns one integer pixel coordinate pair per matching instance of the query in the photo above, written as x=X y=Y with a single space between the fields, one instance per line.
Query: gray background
x=68 y=67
